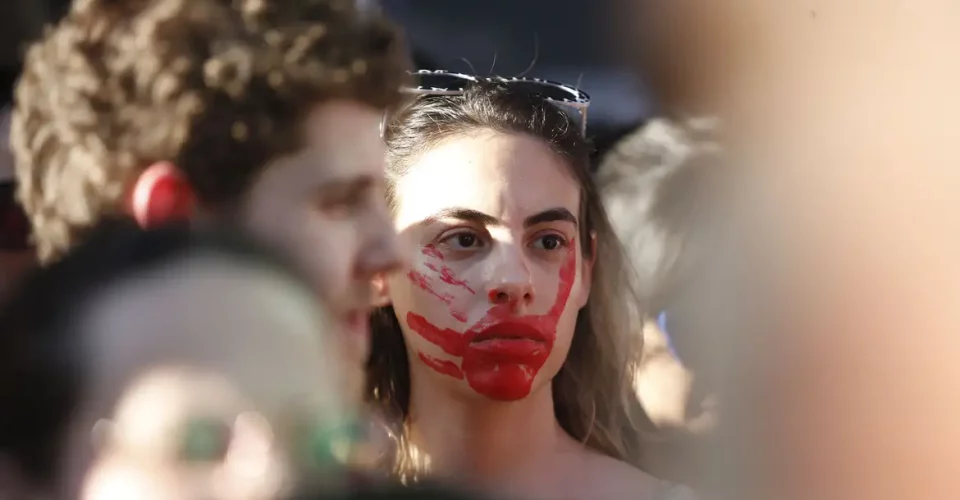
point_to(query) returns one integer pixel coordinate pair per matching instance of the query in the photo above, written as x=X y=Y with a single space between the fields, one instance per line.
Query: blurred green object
x=205 y=440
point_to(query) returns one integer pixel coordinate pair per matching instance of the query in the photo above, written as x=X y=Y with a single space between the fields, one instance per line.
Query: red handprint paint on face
x=421 y=281
x=502 y=353
x=442 y=366
x=444 y=274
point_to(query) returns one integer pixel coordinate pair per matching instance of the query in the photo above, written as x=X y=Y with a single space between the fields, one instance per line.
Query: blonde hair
x=593 y=394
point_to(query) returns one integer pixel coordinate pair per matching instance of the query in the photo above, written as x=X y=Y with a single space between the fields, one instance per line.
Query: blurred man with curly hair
x=263 y=111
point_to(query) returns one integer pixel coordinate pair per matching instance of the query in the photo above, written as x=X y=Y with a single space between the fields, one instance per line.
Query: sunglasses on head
x=14 y=226
x=573 y=101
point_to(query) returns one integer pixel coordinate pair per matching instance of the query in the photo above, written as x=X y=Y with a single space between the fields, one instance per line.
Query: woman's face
x=497 y=279
x=208 y=379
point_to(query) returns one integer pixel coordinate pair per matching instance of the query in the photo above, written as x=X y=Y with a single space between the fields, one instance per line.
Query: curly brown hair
x=218 y=87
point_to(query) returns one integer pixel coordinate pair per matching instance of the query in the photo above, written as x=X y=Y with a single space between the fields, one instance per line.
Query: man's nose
x=382 y=251
x=512 y=284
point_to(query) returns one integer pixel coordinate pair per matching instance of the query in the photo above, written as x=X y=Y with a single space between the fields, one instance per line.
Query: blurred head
x=264 y=110
x=657 y=184
x=515 y=286
x=168 y=364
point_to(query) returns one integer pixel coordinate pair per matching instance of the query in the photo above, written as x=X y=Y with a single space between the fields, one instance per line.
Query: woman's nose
x=516 y=293
x=511 y=283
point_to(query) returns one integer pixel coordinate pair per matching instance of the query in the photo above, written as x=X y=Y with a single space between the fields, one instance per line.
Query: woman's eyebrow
x=464 y=214
x=551 y=215
x=470 y=215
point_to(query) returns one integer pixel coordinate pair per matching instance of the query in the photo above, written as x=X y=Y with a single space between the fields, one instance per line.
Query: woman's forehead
x=502 y=175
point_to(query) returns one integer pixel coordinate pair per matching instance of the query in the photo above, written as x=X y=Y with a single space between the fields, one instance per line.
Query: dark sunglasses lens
x=442 y=81
x=14 y=228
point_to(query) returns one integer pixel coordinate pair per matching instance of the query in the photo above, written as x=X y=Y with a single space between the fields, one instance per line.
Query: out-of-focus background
x=564 y=40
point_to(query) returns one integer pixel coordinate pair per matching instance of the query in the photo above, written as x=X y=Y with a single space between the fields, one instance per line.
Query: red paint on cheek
x=445 y=367
x=500 y=374
x=451 y=341
x=431 y=251
x=421 y=281
x=446 y=275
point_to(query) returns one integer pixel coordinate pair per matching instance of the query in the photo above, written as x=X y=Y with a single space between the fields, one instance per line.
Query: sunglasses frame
x=578 y=101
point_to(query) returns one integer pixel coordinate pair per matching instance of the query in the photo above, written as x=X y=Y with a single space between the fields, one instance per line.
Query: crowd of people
x=249 y=250
x=272 y=257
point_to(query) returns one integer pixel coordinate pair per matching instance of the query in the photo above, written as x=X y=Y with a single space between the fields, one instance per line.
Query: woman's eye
x=550 y=242
x=463 y=241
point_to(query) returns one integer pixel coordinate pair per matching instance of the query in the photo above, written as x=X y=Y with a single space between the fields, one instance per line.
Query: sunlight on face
x=214 y=382
x=496 y=281
x=324 y=205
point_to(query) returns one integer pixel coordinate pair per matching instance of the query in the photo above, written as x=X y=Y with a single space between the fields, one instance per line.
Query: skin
x=159 y=367
x=486 y=186
x=324 y=205
x=855 y=352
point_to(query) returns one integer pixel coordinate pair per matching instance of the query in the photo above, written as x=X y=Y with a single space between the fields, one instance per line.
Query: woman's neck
x=479 y=440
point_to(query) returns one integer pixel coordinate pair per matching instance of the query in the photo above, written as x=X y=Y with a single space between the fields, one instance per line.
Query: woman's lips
x=510 y=339
x=509 y=346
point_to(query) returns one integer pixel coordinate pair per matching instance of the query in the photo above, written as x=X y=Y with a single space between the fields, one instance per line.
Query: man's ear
x=586 y=270
x=161 y=194
x=381 y=290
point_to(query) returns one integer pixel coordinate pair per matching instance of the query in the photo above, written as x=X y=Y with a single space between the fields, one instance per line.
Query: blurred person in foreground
x=395 y=492
x=262 y=111
x=656 y=185
x=504 y=357
x=168 y=364
x=846 y=129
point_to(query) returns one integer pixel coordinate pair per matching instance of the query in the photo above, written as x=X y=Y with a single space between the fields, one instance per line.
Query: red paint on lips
x=493 y=364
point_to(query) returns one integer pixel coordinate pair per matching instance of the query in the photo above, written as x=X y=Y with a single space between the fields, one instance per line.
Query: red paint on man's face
x=501 y=369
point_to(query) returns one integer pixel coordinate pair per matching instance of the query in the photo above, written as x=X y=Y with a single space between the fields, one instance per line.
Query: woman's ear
x=381 y=290
x=586 y=270
x=161 y=194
